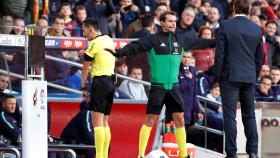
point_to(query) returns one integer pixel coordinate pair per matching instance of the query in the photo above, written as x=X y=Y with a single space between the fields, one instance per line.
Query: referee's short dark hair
x=92 y=22
x=163 y=15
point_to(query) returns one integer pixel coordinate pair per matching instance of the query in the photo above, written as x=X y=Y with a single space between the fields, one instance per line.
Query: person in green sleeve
x=165 y=50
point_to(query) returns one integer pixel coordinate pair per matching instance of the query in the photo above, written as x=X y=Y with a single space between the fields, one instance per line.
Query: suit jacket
x=239 y=51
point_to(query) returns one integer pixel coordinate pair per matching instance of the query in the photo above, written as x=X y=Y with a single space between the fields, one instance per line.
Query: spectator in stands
x=135 y=26
x=54 y=6
x=9 y=125
x=129 y=12
x=215 y=112
x=167 y=2
x=214 y=94
x=80 y=130
x=205 y=8
x=204 y=58
x=132 y=89
x=57 y=72
x=19 y=27
x=213 y=18
x=69 y=23
x=255 y=19
x=263 y=20
x=57 y=28
x=204 y=81
x=6 y=24
x=273 y=44
x=264 y=92
x=42 y=22
x=147 y=23
x=268 y=7
x=193 y=61
x=185 y=24
x=214 y=115
x=4 y=82
x=81 y=15
x=146 y=6
x=160 y=8
x=199 y=17
x=100 y=9
x=195 y=4
x=275 y=81
x=256 y=9
x=14 y=8
x=206 y=32
x=121 y=67
x=187 y=81
x=15 y=59
x=115 y=26
x=265 y=71
x=275 y=75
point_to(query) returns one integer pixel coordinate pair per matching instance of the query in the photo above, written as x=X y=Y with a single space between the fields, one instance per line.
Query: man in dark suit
x=238 y=59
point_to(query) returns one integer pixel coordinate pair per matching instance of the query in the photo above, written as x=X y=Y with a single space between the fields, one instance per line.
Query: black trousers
x=230 y=93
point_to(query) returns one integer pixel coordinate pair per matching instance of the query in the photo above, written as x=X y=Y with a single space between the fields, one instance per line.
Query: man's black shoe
x=253 y=155
x=188 y=156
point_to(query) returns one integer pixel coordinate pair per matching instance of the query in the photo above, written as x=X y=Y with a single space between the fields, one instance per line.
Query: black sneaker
x=188 y=156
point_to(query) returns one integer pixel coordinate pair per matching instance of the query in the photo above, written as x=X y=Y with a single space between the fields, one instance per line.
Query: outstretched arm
x=195 y=44
x=140 y=46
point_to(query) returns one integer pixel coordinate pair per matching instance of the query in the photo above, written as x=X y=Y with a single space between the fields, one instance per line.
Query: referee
x=102 y=65
x=164 y=50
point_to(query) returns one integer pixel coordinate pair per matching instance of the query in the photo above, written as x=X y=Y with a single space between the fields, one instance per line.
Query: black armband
x=88 y=58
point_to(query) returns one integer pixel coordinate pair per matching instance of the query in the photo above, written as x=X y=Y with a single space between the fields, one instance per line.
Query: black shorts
x=159 y=96
x=101 y=94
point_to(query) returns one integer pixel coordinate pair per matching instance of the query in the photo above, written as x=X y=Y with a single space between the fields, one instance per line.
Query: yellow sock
x=181 y=140
x=107 y=142
x=99 y=138
x=143 y=139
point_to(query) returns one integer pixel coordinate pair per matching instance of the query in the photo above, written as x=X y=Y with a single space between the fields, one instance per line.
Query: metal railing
x=10 y=149
x=52 y=147
x=205 y=127
x=48 y=83
x=72 y=152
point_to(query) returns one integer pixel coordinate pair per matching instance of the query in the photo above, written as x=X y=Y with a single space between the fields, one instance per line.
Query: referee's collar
x=98 y=36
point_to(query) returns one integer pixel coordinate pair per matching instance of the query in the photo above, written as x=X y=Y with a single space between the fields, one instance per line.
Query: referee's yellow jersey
x=103 y=61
